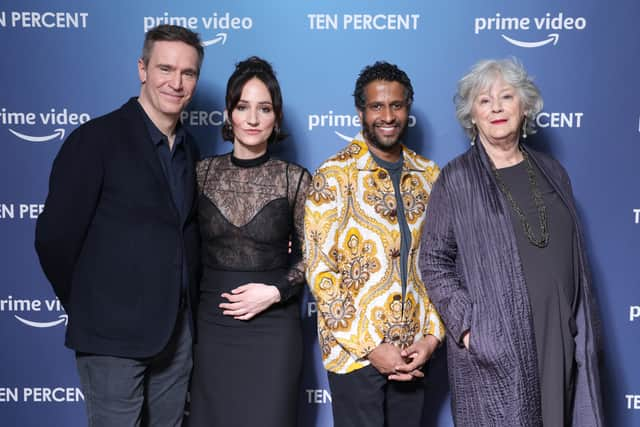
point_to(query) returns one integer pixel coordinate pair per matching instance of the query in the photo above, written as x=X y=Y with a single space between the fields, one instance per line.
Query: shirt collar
x=365 y=161
x=157 y=137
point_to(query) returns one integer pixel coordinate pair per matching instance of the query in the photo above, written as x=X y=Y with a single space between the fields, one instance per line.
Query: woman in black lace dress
x=248 y=355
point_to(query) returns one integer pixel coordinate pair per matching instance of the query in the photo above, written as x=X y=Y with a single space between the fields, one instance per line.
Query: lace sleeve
x=202 y=170
x=299 y=180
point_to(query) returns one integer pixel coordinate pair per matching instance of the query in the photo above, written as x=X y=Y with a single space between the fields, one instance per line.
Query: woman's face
x=497 y=112
x=253 y=119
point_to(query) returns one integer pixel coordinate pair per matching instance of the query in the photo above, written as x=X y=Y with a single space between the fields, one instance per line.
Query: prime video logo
x=23 y=310
x=203 y=24
x=550 y=24
x=53 y=117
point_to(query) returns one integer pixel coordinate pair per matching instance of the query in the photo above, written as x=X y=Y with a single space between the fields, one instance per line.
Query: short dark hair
x=171 y=33
x=253 y=67
x=381 y=70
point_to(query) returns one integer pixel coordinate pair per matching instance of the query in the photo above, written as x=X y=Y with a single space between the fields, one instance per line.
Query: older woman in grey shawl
x=503 y=260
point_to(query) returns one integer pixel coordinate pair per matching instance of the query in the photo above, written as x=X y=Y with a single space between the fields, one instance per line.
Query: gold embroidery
x=352 y=237
x=414 y=198
x=338 y=311
x=320 y=192
x=317 y=225
x=351 y=150
x=379 y=193
x=357 y=261
x=325 y=339
x=390 y=323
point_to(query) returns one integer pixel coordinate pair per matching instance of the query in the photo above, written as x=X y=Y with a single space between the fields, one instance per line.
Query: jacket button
x=382 y=175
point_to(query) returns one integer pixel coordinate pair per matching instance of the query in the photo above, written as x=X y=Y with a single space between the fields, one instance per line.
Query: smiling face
x=168 y=80
x=252 y=119
x=497 y=112
x=385 y=115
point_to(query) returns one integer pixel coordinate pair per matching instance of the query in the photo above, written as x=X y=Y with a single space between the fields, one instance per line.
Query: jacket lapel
x=142 y=144
x=190 y=178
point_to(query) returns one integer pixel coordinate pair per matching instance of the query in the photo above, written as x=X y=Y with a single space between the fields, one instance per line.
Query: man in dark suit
x=118 y=240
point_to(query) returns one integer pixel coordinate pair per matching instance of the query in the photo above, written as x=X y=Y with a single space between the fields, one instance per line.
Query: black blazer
x=110 y=239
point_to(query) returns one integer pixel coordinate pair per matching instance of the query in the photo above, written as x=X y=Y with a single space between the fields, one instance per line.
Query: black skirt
x=246 y=373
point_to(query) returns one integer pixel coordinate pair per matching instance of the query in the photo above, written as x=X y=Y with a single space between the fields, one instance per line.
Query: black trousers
x=127 y=392
x=366 y=398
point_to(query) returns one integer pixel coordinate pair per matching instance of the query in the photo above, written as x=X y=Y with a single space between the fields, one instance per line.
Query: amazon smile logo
x=17 y=121
x=217 y=24
x=547 y=28
x=63 y=318
x=29 y=311
x=219 y=38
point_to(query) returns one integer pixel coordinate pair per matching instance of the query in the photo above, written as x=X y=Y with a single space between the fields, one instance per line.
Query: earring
x=275 y=133
x=475 y=134
x=227 y=126
x=524 y=128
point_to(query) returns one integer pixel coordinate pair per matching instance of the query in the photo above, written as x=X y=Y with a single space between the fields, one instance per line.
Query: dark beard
x=371 y=138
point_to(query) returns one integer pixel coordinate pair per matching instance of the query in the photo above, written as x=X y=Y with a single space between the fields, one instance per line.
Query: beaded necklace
x=543 y=219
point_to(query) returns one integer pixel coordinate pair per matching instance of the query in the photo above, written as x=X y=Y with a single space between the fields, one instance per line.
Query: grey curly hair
x=482 y=75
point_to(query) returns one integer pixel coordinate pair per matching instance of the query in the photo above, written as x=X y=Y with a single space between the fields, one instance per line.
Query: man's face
x=169 y=79
x=385 y=115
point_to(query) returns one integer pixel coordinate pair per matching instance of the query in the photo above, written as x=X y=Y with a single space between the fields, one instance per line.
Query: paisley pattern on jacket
x=352 y=251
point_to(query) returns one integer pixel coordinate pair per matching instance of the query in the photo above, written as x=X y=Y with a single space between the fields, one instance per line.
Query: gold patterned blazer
x=352 y=251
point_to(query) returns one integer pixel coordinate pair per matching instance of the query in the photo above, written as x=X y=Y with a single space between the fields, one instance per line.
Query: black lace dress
x=246 y=373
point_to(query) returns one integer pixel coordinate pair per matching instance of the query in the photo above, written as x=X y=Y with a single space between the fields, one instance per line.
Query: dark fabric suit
x=111 y=240
x=473 y=273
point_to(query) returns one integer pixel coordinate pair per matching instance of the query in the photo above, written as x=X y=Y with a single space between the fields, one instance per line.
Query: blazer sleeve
x=324 y=214
x=438 y=265
x=74 y=190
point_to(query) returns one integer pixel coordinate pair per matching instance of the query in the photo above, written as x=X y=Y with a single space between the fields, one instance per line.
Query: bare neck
x=503 y=155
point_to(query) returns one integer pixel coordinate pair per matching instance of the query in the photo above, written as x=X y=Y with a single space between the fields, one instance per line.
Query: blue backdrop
x=64 y=62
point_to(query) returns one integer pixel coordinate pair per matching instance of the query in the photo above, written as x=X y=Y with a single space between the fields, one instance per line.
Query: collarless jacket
x=352 y=250
x=473 y=273
x=111 y=240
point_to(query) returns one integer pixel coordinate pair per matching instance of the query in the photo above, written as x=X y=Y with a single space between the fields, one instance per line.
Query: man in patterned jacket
x=364 y=215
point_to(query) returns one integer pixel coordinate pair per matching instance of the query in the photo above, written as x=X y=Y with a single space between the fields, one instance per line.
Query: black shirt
x=173 y=161
x=174 y=166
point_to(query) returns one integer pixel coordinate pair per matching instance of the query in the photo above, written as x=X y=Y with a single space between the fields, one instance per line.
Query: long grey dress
x=549 y=276
x=473 y=273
